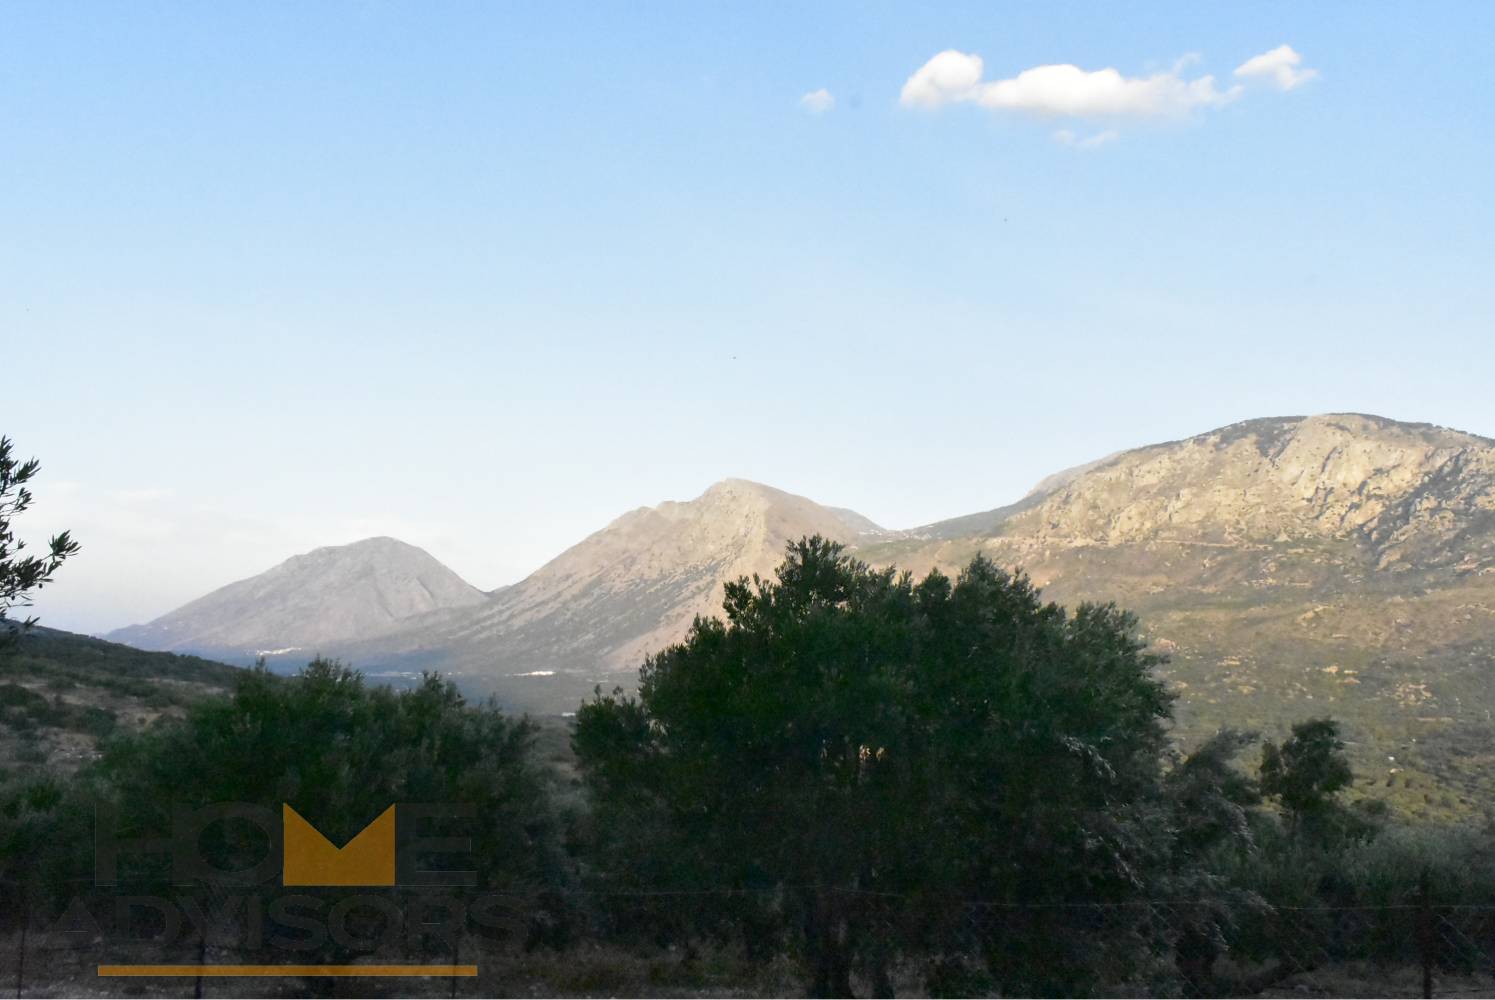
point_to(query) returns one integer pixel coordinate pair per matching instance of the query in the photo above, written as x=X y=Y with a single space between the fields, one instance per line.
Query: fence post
x=202 y=960
x=21 y=957
x=1425 y=931
x=456 y=958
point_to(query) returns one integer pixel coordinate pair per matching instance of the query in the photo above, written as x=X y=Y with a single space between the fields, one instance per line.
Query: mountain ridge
x=625 y=590
x=1375 y=482
x=1287 y=566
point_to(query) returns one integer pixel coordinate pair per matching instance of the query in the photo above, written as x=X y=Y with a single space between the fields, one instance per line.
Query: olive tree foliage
x=867 y=761
x=341 y=751
x=21 y=575
x=1306 y=774
x=1214 y=801
x=1215 y=824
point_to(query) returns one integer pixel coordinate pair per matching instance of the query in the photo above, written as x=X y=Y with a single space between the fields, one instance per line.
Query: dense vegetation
x=334 y=748
x=953 y=769
x=881 y=783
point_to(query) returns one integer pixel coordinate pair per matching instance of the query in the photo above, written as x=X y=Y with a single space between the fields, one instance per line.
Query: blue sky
x=485 y=276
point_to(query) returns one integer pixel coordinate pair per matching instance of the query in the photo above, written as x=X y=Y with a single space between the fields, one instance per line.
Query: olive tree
x=871 y=765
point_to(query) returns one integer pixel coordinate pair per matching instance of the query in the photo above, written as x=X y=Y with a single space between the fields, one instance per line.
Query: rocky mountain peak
x=1336 y=475
x=735 y=526
x=363 y=588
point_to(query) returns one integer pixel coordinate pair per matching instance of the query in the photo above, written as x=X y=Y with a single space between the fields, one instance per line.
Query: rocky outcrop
x=1405 y=490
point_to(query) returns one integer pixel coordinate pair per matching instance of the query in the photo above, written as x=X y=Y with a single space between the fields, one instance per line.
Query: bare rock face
x=308 y=601
x=1297 y=501
x=1406 y=491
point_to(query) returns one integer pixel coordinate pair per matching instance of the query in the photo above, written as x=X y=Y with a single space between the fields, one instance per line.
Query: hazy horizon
x=483 y=279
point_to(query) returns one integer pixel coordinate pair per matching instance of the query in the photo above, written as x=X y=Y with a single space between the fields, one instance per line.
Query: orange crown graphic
x=311 y=859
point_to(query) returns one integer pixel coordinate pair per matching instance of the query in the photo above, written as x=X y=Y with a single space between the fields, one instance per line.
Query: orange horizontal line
x=288 y=970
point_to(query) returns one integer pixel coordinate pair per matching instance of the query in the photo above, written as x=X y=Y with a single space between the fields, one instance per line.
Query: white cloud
x=948 y=77
x=1279 y=66
x=1067 y=138
x=818 y=102
x=1186 y=60
x=1062 y=90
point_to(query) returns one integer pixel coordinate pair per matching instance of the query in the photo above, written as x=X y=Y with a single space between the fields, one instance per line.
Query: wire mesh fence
x=523 y=942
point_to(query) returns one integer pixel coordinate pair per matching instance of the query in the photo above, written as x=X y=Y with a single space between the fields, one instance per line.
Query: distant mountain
x=362 y=589
x=589 y=615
